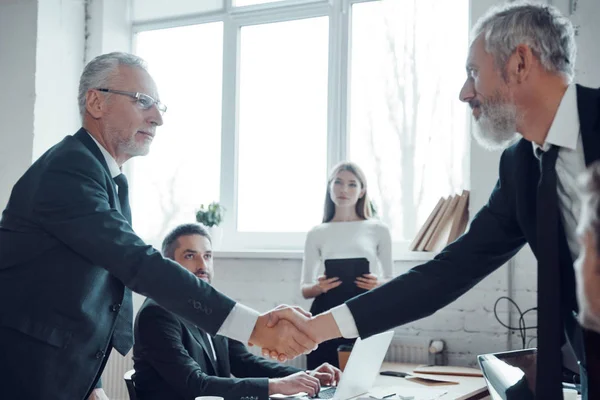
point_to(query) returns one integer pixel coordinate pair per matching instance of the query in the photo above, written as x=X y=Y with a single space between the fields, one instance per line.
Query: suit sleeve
x=493 y=238
x=245 y=364
x=71 y=203
x=160 y=337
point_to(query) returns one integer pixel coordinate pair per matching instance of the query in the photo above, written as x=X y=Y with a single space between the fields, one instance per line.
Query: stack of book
x=445 y=224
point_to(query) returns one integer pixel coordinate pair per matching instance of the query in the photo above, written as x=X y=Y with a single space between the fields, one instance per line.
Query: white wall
x=41 y=48
x=108 y=27
x=59 y=60
x=17 y=80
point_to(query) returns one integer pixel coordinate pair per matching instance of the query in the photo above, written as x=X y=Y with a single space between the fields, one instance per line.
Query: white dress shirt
x=354 y=239
x=564 y=133
x=570 y=164
x=241 y=320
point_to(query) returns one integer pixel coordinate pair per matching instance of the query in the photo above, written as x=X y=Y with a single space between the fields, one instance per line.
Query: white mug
x=209 y=398
x=570 y=394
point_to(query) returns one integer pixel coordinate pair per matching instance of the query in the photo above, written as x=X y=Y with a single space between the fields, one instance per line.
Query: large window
x=282 y=125
x=265 y=98
x=407 y=127
x=182 y=170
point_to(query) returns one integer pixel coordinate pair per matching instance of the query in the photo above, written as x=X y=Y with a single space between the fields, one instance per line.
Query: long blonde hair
x=363 y=205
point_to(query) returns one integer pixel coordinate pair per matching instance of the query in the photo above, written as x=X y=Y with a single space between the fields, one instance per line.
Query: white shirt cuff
x=240 y=323
x=345 y=321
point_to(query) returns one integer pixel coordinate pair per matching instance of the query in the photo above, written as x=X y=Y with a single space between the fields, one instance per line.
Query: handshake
x=287 y=332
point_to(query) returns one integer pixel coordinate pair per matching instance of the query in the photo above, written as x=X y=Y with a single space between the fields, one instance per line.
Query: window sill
x=297 y=254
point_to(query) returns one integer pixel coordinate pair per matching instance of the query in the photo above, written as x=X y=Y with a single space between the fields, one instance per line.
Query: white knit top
x=369 y=238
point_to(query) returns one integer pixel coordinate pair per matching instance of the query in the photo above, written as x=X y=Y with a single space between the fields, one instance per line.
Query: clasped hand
x=283 y=333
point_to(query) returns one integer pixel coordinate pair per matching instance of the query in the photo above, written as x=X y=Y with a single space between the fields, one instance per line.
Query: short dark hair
x=170 y=243
x=590 y=201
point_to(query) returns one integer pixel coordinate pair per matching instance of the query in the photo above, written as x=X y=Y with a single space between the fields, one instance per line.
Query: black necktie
x=122 y=339
x=549 y=339
x=121 y=181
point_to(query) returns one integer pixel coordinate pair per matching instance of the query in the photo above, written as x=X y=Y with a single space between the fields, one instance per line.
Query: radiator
x=112 y=378
x=407 y=349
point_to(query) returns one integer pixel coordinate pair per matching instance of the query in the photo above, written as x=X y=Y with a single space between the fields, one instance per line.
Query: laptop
x=361 y=369
x=509 y=375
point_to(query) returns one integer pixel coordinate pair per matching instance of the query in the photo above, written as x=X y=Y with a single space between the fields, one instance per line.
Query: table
x=468 y=388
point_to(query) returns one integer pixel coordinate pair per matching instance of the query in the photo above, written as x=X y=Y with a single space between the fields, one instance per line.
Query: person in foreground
x=175 y=359
x=587 y=268
x=69 y=257
x=348 y=232
x=520 y=70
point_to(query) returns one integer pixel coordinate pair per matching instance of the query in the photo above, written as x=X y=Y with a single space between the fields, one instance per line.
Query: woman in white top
x=347 y=232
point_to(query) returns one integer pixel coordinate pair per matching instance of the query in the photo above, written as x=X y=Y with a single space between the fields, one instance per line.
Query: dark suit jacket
x=66 y=254
x=171 y=360
x=497 y=233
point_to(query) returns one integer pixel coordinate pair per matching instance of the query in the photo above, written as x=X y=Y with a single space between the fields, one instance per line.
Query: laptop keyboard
x=326 y=393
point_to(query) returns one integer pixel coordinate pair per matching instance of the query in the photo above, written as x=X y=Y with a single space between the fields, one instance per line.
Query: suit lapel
x=588 y=107
x=527 y=175
x=88 y=142
x=84 y=137
x=200 y=337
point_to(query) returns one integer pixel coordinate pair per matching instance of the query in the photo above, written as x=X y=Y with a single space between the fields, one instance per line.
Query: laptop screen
x=510 y=375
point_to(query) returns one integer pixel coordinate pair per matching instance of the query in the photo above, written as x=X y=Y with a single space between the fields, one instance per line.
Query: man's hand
x=327 y=374
x=295 y=383
x=98 y=394
x=281 y=331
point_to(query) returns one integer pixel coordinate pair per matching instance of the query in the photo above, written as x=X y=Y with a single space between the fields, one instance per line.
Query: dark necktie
x=121 y=181
x=122 y=339
x=549 y=358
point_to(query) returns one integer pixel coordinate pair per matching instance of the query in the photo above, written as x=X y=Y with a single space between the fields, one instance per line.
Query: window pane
x=282 y=125
x=239 y=3
x=144 y=10
x=407 y=128
x=182 y=170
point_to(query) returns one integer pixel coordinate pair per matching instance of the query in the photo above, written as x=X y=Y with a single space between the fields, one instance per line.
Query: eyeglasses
x=143 y=100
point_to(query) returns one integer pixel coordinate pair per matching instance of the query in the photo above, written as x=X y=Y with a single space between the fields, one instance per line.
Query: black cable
x=522 y=328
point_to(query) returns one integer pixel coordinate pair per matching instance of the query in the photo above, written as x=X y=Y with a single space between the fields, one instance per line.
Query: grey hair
x=98 y=72
x=542 y=27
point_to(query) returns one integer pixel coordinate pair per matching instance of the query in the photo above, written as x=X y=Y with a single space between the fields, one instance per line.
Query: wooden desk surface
x=468 y=388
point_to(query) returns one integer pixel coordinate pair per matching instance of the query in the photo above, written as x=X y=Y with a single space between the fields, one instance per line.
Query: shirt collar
x=564 y=131
x=113 y=167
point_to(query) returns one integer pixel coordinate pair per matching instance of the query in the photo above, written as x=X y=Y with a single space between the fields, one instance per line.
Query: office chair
x=129 y=384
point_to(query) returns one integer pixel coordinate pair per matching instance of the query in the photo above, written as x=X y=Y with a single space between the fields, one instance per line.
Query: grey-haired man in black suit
x=69 y=258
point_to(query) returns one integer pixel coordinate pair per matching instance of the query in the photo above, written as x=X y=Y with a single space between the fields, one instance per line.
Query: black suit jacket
x=497 y=233
x=66 y=254
x=171 y=360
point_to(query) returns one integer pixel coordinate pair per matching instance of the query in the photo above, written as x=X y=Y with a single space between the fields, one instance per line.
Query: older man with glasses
x=69 y=257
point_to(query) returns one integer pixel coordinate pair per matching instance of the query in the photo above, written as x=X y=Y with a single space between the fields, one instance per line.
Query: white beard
x=496 y=128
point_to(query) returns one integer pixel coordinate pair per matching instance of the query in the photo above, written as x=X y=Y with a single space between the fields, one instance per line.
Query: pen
x=384 y=397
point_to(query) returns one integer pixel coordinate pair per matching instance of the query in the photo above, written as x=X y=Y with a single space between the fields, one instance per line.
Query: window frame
x=338 y=99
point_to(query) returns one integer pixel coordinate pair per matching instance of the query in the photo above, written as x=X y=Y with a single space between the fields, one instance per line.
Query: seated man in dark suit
x=175 y=359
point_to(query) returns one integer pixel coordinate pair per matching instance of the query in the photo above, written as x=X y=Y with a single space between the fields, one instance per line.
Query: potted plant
x=211 y=217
